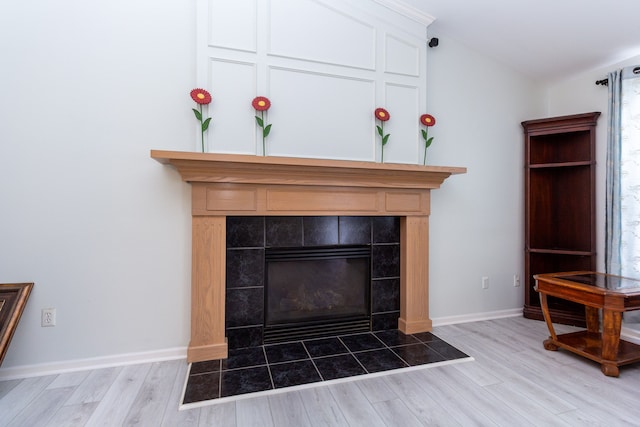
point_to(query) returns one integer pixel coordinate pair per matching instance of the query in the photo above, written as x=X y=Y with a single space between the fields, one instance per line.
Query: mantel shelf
x=251 y=169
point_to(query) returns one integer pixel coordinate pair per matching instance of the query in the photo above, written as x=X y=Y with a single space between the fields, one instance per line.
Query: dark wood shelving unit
x=559 y=206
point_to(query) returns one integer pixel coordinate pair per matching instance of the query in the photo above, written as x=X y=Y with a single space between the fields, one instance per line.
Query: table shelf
x=589 y=345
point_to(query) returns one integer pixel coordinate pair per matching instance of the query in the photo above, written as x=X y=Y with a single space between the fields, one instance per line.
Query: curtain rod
x=605 y=82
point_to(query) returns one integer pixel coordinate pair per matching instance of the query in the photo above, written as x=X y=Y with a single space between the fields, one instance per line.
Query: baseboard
x=27 y=371
x=630 y=334
x=54 y=368
x=476 y=317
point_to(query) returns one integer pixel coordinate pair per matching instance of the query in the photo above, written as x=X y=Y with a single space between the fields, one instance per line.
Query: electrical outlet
x=48 y=317
x=485 y=282
x=516 y=280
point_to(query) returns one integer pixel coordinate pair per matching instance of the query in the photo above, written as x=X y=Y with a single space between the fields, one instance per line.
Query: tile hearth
x=276 y=366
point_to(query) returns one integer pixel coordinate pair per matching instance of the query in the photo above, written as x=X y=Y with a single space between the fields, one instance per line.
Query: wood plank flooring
x=512 y=382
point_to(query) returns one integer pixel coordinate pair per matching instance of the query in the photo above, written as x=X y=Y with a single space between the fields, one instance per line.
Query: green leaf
x=197 y=113
x=385 y=139
x=428 y=143
x=260 y=122
x=205 y=124
x=266 y=131
x=379 y=130
x=424 y=134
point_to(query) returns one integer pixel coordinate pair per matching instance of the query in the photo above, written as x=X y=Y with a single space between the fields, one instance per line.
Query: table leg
x=612 y=322
x=548 y=343
x=593 y=319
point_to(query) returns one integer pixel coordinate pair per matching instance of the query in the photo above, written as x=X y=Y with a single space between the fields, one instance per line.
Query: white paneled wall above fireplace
x=325 y=65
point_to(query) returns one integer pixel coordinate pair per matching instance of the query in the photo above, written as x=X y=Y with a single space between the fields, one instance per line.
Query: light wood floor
x=512 y=382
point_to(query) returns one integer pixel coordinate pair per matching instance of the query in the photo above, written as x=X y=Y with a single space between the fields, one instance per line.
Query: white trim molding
x=408 y=11
x=27 y=371
x=476 y=317
x=630 y=334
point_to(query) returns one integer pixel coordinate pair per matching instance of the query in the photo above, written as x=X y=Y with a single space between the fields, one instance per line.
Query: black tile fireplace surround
x=248 y=236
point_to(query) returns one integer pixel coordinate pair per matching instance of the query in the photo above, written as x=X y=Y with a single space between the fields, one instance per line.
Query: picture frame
x=13 y=299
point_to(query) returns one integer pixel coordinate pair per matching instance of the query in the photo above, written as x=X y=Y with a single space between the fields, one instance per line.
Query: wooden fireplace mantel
x=228 y=184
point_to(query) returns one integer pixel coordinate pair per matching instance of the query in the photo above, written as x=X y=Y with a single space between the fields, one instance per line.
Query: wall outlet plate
x=48 y=317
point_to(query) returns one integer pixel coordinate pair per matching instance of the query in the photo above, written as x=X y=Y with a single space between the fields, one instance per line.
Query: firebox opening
x=313 y=292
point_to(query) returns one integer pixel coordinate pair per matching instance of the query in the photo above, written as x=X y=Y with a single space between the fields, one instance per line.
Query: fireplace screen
x=316 y=291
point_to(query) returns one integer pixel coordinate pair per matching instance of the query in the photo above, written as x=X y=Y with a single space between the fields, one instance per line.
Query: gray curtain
x=612 y=214
x=622 y=241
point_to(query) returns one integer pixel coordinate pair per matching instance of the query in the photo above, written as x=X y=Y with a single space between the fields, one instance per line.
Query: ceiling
x=546 y=39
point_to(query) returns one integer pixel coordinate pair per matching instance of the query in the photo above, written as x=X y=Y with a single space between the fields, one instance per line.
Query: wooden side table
x=596 y=291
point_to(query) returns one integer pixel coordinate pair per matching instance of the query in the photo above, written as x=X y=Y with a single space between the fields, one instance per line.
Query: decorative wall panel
x=232 y=128
x=232 y=24
x=321 y=115
x=324 y=64
x=401 y=57
x=404 y=125
x=309 y=30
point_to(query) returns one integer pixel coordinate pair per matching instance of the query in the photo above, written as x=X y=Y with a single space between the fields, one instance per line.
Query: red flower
x=201 y=96
x=427 y=120
x=260 y=103
x=382 y=114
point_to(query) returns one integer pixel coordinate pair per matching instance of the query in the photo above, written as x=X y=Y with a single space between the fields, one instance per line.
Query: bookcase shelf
x=559 y=206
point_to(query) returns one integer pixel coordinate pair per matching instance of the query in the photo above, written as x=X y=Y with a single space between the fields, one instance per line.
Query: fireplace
x=355 y=258
x=225 y=184
x=314 y=292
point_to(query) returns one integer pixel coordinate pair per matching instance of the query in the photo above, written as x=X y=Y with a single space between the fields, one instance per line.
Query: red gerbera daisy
x=382 y=114
x=261 y=103
x=201 y=96
x=427 y=120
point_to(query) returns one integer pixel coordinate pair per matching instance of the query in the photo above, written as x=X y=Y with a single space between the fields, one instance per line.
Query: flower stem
x=264 y=147
x=424 y=162
x=382 y=142
x=201 y=128
x=426 y=138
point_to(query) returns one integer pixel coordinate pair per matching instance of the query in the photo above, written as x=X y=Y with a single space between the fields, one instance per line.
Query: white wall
x=88 y=88
x=477 y=219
